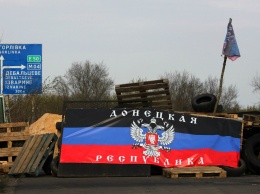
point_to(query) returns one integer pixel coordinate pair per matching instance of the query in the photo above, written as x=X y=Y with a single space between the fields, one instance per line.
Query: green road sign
x=34 y=58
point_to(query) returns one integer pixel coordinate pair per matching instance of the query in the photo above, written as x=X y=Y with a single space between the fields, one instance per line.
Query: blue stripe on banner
x=121 y=136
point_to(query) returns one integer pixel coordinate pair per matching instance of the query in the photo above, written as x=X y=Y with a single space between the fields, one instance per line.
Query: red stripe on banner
x=128 y=155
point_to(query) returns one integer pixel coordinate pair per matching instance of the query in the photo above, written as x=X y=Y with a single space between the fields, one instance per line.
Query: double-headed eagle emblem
x=151 y=141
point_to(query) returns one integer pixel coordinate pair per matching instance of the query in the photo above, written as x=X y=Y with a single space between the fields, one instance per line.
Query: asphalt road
x=154 y=184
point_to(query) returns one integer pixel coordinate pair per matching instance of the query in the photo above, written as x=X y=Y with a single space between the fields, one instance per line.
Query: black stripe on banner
x=183 y=123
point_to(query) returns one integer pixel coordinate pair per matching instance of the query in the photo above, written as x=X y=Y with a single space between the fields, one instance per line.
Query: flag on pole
x=230 y=47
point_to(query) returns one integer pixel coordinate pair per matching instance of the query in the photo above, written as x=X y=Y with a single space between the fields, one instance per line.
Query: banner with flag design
x=149 y=136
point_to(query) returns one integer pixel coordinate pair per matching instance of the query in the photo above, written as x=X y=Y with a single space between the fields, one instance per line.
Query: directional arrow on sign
x=2 y=60
x=8 y=67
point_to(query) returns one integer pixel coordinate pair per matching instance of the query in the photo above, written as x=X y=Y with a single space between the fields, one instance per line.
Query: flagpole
x=220 y=84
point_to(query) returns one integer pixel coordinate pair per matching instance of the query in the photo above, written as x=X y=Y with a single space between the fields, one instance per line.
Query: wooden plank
x=16 y=136
x=4 y=152
x=26 y=152
x=37 y=154
x=33 y=155
x=153 y=87
x=21 y=155
x=141 y=96
x=143 y=83
x=48 y=145
x=18 y=124
x=35 y=144
x=195 y=172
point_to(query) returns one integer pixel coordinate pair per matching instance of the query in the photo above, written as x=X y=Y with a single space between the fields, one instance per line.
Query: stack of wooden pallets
x=12 y=138
x=152 y=94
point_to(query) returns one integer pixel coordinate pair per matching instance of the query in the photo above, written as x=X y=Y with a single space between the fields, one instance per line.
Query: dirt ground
x=46 y=124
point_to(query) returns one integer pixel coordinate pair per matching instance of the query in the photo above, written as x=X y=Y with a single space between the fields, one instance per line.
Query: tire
x=204 y=103
x=252 y=152
x=55 y=165
x=250 y=169
x=59 y=126
x=47 y=165
x=59 y=142
x=235 y=172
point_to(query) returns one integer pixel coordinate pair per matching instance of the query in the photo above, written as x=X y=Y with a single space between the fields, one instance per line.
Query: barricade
x=12 y=139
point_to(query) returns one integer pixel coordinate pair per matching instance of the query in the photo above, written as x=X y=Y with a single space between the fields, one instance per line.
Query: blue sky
x=139 y=38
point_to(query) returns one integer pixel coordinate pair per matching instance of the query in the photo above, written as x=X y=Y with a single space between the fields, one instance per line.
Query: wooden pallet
x=251 y=120
x=153 y=94
x=33 y=154
x=12 y=139
x=195 y=172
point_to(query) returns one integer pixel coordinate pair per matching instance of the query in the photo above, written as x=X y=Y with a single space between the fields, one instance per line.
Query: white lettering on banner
x=156 y=160
x=98 y=157
x=145 y=158
x=136 y=113
x=124 y=113
x=113 y=114
x=201 y=161
x=190 y=162
x=110 y=158
x=148 y=113
x=159 y=115
x=166 y=162
x=178 y=162
x=121 y=158
x=133 y=158
x=193 y=120
x=182 y=119
x=171 y=117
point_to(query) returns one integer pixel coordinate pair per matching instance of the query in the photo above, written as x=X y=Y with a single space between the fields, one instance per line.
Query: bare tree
x=85 y=81
x=256 y=83
x=184 y=87
x=229 y=94
x=228 y=99
x=210 y=85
